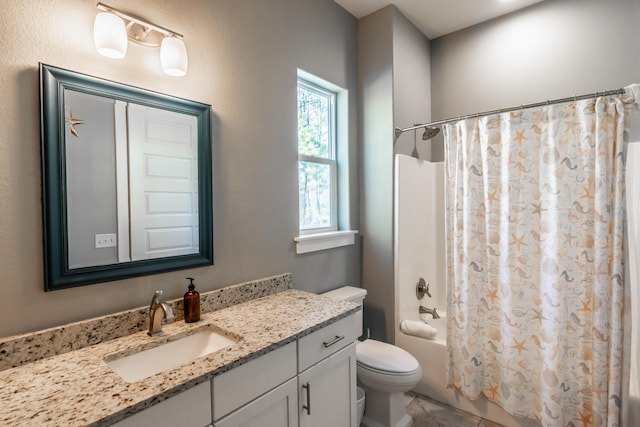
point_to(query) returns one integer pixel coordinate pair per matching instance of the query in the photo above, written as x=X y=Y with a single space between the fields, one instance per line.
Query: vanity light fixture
x=112 y=28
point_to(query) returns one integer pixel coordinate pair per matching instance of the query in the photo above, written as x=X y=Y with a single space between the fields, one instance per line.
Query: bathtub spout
x=431 y=311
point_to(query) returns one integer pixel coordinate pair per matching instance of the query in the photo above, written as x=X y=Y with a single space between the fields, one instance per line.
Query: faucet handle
x=422 y=288
x=156 y=297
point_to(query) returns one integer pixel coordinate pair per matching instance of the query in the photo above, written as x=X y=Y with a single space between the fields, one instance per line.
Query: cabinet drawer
x=326 y=341
x=240 y=385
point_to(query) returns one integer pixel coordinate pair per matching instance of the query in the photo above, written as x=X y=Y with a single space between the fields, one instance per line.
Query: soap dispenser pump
x=191 y=303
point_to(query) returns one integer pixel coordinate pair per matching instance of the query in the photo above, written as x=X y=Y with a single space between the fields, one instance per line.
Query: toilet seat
x=385 y=367
x=385 y=358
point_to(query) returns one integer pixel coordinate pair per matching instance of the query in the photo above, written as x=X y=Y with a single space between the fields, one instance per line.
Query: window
x=317 y=166
x=323 y=134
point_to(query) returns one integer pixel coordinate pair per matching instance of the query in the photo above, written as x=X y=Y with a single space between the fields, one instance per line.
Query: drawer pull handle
x=307 y=386
x=332 y=342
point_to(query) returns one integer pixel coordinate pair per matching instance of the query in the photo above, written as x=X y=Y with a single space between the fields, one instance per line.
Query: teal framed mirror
x=126 y=180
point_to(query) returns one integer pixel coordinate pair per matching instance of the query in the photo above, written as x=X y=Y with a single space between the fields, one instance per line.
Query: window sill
x=321 y=241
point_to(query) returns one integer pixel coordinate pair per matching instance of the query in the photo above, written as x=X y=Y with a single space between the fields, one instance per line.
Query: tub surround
x=75 y=387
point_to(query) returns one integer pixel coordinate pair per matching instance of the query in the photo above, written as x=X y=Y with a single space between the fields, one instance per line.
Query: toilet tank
x=351 y=294
x=347 y=293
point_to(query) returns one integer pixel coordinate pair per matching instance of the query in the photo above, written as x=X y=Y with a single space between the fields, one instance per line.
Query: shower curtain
x=535 y=224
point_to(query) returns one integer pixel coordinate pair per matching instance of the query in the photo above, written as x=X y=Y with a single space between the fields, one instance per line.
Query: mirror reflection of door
x=163 y=183
x=131 y=178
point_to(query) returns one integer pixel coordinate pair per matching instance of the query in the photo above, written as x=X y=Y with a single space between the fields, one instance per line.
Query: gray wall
x=554 y=49
x=243 y=57
x=375 y=61
x=394 y=89
x=411 y=85
x=90 y=179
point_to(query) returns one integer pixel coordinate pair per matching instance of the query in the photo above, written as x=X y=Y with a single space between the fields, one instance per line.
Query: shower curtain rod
x=399 y=131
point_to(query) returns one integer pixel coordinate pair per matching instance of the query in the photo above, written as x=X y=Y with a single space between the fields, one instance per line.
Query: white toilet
x=384 y=371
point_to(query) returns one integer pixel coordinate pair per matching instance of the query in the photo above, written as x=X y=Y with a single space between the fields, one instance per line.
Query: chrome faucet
x=155 y=319
x=431 y=311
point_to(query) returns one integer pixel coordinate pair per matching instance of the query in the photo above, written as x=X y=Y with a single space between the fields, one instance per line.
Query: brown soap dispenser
x=191 y=303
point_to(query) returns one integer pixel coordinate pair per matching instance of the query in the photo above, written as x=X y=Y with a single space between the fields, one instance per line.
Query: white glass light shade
x=110 y=35
x=173 y=57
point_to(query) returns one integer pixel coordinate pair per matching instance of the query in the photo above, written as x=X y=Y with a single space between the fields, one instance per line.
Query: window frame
x=330 y=161
x=343 y=235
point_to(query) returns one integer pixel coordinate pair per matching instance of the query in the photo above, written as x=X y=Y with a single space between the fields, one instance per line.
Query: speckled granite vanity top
x=77 y=388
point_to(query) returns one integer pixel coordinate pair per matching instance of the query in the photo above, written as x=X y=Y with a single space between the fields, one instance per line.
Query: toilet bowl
x=359 y=404
x=384 y=371
x=386 y=367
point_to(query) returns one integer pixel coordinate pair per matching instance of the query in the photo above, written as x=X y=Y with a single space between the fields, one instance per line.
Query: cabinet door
x=191 y=408
x=327 y=391
x=277 y=408
x=235 y=388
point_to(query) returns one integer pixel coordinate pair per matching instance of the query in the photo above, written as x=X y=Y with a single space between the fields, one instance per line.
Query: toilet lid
x=385 y=357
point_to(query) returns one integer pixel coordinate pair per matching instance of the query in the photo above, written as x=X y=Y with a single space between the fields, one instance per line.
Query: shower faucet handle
x=422 y=288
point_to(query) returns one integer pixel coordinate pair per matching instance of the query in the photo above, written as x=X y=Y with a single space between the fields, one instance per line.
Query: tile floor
x=429 y=413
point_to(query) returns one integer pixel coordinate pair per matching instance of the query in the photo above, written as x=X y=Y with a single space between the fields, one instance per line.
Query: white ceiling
x=439 y=17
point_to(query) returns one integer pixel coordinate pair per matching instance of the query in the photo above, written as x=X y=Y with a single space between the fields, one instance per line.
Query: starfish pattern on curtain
x=535 y=223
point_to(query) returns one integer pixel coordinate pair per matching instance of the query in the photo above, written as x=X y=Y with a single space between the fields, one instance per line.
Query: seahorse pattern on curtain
x=535 y=211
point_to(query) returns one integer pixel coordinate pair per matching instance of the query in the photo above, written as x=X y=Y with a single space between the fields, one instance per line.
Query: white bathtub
x=432 y=356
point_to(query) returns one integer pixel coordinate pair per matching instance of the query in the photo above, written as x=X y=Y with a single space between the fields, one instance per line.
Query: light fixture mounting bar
x=135 y=20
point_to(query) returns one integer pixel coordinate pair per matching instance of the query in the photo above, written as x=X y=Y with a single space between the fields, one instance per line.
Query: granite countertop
x=77 y=388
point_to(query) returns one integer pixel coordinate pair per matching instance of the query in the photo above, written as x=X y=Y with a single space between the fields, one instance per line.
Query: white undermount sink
x=168 y=356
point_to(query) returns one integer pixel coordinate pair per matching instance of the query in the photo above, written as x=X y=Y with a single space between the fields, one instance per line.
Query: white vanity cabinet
x=327 y=375
x=309 y=382
x=323 y=394
x=191 y=408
